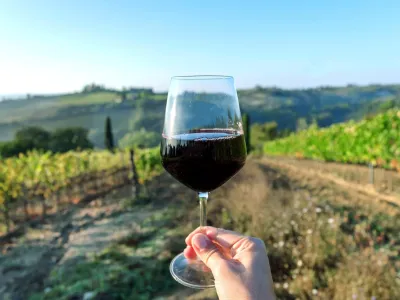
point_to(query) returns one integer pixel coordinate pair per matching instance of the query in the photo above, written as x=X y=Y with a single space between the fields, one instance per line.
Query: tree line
x=58 y=141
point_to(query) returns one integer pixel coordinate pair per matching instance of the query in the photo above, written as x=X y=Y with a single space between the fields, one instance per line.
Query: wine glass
x=202 y=146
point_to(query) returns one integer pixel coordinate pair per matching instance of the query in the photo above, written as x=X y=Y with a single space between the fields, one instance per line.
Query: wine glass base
x=191 y=273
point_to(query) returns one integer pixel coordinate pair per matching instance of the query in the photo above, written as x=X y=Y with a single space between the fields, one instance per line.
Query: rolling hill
x=145 y=109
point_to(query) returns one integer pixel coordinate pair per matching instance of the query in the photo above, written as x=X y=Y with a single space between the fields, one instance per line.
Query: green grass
x=316 y=244
x=47 y=107
x=160 y=97
x=135 y=267
x=88 y=99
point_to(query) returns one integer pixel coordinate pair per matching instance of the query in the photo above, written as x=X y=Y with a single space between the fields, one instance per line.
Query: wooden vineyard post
x=82 y=186
x=122 y=158
x=26 y=212
x=105 y=178
x=135 y=181
x=371 y=174
x=44 y=208
x=58 y=199
x=6 y=214
x=98 y=181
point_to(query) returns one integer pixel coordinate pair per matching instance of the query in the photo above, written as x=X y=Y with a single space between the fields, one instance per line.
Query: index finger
x=225 y=238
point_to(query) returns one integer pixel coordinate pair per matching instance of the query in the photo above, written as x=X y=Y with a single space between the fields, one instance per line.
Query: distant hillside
x=144 y=109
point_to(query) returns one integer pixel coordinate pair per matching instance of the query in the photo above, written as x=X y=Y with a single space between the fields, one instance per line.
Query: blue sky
x=58 y=46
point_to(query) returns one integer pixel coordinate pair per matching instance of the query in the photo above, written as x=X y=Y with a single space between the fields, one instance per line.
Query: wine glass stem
x=203 y=197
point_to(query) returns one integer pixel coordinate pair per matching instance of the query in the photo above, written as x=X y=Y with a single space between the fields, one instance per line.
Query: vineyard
x=40 y=183
x=373 y=141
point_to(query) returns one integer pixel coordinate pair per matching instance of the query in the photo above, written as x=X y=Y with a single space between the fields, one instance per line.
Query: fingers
x=189 y=253
x=207 y=251
x=201 y=229
x=225 y=238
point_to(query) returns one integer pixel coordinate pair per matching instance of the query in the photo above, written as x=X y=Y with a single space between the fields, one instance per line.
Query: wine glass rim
x=201 y=77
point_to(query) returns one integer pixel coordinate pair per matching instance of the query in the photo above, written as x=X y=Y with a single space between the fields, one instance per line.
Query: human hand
x=239 y=263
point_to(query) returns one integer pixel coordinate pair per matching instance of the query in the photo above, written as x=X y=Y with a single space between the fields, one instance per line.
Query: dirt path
x=296 y=172
x=26 y=262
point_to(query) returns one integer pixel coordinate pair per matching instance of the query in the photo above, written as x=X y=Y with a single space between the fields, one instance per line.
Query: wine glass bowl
x=202 y=146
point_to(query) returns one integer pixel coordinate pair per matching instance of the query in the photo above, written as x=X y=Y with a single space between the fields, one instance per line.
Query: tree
x=33 y=137
x=12 y=148
x=246 y=128
x=73 y=138
x=141 y=138
x=301 y=124
x=93 y=87
x=109 y=139
x=284 y=133
x=261 y=133
x=123 y=94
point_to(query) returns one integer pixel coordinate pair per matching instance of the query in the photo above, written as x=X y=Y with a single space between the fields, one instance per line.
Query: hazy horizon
x=23 y=95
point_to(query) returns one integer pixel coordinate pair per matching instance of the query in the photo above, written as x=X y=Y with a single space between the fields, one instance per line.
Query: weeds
x=317 y=247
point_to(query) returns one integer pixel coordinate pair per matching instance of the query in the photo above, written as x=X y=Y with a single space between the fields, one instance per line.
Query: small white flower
x=281 y=244
x=277 y=285
x=315 y=292
x=331 y=220
x=318 y=210
x=47 y=290
x=88 y=295
x=299 y=263
x=309 y=231
x=286 y=285
x=305 y=210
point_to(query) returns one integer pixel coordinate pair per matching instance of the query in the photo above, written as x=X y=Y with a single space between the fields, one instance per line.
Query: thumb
x=207 y=251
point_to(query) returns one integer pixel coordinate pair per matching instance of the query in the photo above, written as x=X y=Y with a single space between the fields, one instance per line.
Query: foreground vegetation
x=322 y=242
x=41 y=175
x=319 y=244
x=375 y=140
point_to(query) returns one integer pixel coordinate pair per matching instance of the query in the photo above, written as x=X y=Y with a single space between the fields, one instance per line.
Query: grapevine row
x=373 y=141
x=42 y=175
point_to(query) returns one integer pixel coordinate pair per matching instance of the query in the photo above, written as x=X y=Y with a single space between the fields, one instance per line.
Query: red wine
x=205 y=159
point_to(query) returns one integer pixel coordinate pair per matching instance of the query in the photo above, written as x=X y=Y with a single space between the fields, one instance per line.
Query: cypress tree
x=246 y=128
x=109 y=139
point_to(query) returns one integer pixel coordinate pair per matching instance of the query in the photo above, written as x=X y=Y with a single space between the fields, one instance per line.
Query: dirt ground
x=27 y=261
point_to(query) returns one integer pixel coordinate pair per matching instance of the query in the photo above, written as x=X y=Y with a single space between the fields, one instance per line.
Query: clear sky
x=58 y=46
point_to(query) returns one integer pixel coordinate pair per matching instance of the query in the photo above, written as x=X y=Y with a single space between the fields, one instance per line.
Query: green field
x=88 y=99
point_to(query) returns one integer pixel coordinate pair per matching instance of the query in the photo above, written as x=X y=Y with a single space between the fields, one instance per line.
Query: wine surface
x=205 y=159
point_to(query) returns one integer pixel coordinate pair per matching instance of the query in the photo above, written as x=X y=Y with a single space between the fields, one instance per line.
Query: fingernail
x=200 y=241
x=211 y=233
